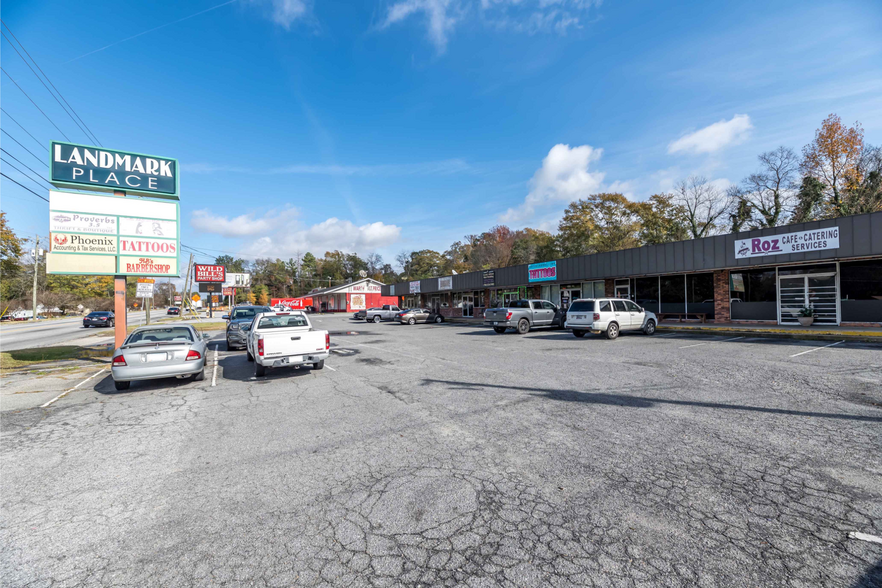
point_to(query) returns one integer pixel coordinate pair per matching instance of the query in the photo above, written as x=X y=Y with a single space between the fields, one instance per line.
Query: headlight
x=234 y=327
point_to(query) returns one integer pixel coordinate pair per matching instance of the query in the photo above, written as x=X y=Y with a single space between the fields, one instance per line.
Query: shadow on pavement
x=237 y=368
x=107 y=387
x=872 y=578
x=613 y=399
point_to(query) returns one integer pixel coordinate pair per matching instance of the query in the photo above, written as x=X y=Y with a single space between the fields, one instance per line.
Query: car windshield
x=582 y=306
x=279 y=322
x=244 y=313
x=519 y=304
x=171 y=334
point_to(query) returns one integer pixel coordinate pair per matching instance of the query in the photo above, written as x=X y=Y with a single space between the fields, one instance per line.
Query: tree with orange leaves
x=833 y=158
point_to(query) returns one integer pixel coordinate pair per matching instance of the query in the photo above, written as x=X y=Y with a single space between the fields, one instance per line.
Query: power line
x=45 y=86
x=34 y=103
x=21 y=162
x=22 y=173
x=23 y=147
x=23 y=186
x=50 y=83
x=43 y=145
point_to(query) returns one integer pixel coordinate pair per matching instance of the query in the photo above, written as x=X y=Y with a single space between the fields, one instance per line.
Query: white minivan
x=609 y=316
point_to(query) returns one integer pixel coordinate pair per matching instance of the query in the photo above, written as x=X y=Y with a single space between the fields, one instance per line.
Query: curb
x=772 y=334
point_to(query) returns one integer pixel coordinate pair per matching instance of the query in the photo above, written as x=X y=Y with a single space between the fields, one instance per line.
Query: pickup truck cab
x=609 y=316
x=284 y=339
x=523 y=315
x=387 y=312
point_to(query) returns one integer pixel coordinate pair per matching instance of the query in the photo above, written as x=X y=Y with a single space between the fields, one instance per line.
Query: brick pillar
x=721 y=296
x=609 y=287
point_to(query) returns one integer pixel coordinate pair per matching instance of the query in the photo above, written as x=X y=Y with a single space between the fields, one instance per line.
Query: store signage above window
x=801 y=242
x=415 y=287
x=542 y=272
x=209 y=273
x=489 y=277
x=445 y=283
x=80 y=166
x=111 y=235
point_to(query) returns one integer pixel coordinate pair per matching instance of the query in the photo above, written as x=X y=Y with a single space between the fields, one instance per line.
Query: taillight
x=597 y=316
x=508 y=316
x=119 y=361
x=327 y=341
x=193 y=355
x=260 y=347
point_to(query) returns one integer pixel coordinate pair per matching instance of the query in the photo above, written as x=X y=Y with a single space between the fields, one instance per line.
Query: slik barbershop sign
x=801 y=242
x=106 y=170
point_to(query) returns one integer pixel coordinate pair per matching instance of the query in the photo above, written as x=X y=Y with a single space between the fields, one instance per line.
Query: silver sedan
x=159 y=351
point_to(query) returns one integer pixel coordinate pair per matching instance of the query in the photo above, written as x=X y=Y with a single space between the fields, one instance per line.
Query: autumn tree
x=491 y=248
x=704 y=204
x=865 y=195
x=10 y=258
x=661 y=220
x=533 y=246
x=833 y=158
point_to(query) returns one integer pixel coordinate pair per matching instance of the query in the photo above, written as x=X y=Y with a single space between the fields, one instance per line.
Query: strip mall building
x=760 y=276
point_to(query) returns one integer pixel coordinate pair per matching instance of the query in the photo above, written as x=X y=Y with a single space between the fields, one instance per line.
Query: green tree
x=425 y=264
x=810 y=201
x=233 y=265
x=661 y=220
x=10 y=259
x=533 y=246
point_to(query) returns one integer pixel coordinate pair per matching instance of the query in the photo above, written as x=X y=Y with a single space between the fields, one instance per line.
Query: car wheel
x=122 y=385
x=377 y=318
x=649 y=329
x=248 y=356
x=578 y=334
x=319 y=365
x=523 y=327
x=499 y=330
x=109 y=323
x=200 y=376
x=411 y=321
x=612 y=331
x=259 y=370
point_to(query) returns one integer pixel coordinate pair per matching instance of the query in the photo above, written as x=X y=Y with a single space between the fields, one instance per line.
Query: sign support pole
x=148 y=302
x=120 y=323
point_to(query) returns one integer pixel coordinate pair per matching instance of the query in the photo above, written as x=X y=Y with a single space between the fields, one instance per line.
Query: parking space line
x=864 y=537
x=214 y=372
x=817 y=348
x=330 y=368
x=66 y=392
x=709 y=342
x=696 y=345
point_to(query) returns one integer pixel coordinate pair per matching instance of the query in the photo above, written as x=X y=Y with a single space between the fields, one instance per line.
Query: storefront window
x=700 y=293
x=479 y=298
x=673 y=293
x=646 y=291
x=753 y=295
x=860 y=284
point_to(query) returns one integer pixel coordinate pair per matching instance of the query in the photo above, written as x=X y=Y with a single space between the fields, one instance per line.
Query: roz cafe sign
x=106 y=170
x=801 y=242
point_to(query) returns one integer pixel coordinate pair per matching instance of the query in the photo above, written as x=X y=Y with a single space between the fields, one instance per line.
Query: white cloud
x=241 y=226
x=439 y=23
x=286 y=12
x=563 y=177
x=328 y=235
x=714 y=137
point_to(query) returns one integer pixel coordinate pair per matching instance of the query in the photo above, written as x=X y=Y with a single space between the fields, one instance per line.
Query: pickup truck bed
x=284 y=339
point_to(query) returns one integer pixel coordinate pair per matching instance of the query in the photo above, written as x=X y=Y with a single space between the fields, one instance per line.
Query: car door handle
x=295 y=338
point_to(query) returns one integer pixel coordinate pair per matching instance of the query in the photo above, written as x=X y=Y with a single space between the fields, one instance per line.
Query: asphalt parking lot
x=443 y=455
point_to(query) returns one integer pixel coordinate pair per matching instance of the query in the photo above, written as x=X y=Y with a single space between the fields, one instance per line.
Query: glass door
x=818 y=291
x=623 y=289
x=468 y=305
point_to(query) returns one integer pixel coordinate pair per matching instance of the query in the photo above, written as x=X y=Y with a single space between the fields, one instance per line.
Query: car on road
x=523 y=315
x=99 y=318
x=419 y=315
x=609 y=316
x=387 y=312
x=360 y=315
x=240 y=316
x=158 y=351
x=173 y=310
x=285 y=339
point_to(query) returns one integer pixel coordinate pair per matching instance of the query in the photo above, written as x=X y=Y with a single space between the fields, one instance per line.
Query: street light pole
x=36 y=273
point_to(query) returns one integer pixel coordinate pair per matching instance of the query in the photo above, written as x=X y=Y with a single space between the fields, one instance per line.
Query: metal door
x=818 y=291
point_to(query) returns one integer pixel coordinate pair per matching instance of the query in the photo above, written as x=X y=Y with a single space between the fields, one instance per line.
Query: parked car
x=609 y=316
x=283 y=339
x=99 y=318
x=419 y=315
x=173 y=310
x=159 y=351
x=387 y=312
x=241 y=315
x=523 y=315
x=360 y=315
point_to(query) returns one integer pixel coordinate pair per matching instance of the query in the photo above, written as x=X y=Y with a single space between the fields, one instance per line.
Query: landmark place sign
x=106 y=170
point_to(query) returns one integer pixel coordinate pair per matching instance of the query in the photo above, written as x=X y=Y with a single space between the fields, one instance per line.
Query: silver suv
x=609 y=316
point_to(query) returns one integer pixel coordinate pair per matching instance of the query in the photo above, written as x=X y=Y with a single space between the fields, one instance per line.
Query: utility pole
x=37 y=254
x=148 y=302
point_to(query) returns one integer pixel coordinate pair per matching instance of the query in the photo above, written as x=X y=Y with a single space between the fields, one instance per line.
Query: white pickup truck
x=282 y=339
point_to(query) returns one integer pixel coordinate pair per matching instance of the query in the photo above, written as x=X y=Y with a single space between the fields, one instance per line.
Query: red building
x=359 y=295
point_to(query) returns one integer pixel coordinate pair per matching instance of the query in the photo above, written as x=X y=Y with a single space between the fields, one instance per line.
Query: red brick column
x=721 y=296
x=609 y=287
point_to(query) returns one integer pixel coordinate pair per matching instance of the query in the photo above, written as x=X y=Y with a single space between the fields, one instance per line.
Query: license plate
x=150 y=357
x=495 y=323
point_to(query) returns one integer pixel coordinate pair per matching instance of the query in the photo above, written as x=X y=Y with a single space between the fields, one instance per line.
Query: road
x=452 y=456
x=24 y=335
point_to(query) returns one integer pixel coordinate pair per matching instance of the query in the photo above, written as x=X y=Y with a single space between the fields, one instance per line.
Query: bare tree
x=771 y=191
x=704 y=204
x=404 y=260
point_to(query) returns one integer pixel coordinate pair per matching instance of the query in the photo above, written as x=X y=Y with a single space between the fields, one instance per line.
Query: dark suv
x=239 y=317
x=101 y=318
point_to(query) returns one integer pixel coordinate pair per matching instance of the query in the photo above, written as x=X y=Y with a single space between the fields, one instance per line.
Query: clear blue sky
x=386 y=126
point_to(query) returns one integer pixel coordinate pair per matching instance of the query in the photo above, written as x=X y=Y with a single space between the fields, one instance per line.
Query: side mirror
x=226 y=317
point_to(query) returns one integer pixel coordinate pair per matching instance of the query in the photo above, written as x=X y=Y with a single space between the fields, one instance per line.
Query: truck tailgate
x=297 y=341
x=496 y=314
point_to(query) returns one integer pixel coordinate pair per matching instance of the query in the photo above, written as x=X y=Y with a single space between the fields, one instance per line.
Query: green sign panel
x=96 y=168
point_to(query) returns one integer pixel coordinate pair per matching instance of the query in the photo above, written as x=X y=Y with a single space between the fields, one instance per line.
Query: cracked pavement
x=452 y=456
